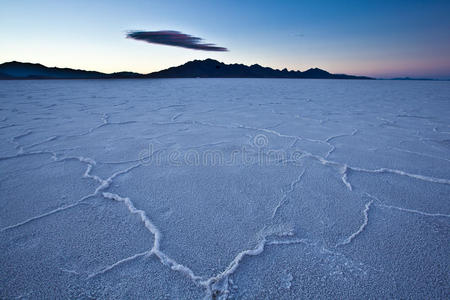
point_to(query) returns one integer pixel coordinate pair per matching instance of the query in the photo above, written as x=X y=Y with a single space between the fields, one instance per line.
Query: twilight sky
x=375 y=38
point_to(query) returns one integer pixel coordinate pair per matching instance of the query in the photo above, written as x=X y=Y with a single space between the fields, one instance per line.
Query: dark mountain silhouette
x=208 y=68
x=19 y=70
x=409 y=78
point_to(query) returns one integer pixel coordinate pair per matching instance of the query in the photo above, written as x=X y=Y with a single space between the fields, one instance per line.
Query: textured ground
x=224 y=188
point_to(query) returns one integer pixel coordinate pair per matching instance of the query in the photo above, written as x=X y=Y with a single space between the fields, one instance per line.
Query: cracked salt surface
x=216 y=189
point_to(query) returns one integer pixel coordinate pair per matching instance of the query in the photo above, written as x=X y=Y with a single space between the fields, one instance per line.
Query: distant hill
x=19 y=70
x=207 y=68
x=409 y=78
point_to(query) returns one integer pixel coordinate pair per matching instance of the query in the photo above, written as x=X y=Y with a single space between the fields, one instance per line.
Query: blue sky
x=376 y=38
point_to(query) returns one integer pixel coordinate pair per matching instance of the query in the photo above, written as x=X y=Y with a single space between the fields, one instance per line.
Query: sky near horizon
x=375 y=38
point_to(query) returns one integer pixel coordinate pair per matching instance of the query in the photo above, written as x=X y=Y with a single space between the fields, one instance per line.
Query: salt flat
x=224 y=188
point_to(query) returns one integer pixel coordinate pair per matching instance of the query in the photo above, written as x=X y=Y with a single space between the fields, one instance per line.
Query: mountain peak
x=208 y=68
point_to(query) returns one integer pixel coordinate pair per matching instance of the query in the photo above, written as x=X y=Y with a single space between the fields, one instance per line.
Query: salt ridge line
x=413 y=211
x=329 y=139
x=380 y=170
x=105 y=122
x=56 y=210
x=7 y=126
x=219 y=284
x=27 y=154
x=436 y=129
x=49 y=139
x=402 y=173
x=22 y=135
x=344 y=169
x=64 y=207
x=320 y=248
x=347 y=167
x=344 y=172
x=176 y=266
x=175 y=117
x=165 y=260
x=274 y=132
x=168 y=106
x=155 y=250
x=142 y=214
x=213 y=284
x=118 y=263
x=361 y=228
x=420 y=153
x=333 y=147
x=286 y=194
x=104 y=184
x=208 y=284
x=17 y=145
x=121 y=103
x=326 y=141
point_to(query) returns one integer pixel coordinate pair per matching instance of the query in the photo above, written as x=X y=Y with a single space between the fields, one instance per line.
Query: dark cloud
x=173 y=38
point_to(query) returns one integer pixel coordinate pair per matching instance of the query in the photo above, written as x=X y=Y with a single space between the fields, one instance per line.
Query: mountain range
x=207 y=68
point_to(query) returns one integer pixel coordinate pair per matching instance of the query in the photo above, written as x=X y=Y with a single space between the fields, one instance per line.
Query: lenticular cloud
x=173 y=38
